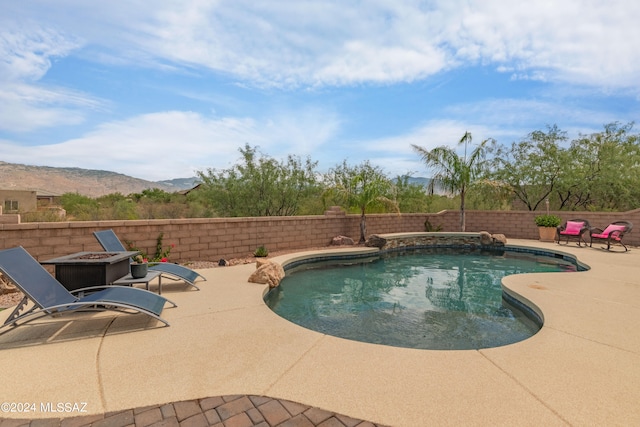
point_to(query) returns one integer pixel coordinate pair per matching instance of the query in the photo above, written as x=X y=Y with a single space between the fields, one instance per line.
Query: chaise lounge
x=573 y=228
x=110 y=243
x=50 y=297
x=613 y=233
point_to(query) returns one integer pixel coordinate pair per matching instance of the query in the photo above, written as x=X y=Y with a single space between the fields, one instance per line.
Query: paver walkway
x=224 y=411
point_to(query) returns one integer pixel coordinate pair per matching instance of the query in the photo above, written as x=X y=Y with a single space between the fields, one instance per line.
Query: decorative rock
x=485 y=238
x=267 y=272
x=261 y=261
x=341 y=240
x=471 y=240
x=375 y=241
x=499 y=239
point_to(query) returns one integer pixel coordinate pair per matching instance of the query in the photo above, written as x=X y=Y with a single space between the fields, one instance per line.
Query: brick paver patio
x=223 y=411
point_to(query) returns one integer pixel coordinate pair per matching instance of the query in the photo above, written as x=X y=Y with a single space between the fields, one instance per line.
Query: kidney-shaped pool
x=423 y=299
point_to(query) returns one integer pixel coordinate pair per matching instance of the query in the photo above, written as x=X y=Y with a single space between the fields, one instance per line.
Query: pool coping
x=580 y=369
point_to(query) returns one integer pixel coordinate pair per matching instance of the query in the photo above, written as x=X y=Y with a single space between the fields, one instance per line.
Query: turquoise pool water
x=424 y=299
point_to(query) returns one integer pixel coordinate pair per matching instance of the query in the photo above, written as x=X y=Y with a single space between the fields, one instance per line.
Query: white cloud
x=578 y=41
x=27 y=107
x=26 y=51
x=292 y=44
x=396 y=155
x=25 y=104
x=331 y=42
x=177 y=144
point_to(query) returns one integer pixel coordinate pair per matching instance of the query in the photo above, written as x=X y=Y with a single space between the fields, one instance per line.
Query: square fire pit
x=84 y=269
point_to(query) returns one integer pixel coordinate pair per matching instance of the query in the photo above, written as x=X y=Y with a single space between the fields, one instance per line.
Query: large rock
x=375 y=241
x=267 y=272
x=488 y=239
x=342 y=240
x=499 y=239
x=485 y=238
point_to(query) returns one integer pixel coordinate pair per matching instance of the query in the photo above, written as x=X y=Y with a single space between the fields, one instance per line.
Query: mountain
x=179 y=184
x=88 y=182
x=425 y=182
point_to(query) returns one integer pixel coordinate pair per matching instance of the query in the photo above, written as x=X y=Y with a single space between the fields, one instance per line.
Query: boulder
x=375 y=241
x=267 y=272
x=499 y=239
x=342 y=240
x=488 y=239
x=485 y=238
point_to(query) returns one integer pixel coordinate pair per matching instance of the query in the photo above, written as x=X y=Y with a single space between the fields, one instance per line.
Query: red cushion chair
x=574 y=228
x=613 y=233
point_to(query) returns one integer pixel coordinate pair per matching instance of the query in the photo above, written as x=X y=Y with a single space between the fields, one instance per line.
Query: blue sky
x=160 y=90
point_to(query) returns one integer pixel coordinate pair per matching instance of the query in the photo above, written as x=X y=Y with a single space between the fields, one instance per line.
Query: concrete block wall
x=214 y=238
x=193 y=239
x=9 y=218
x=521 y=225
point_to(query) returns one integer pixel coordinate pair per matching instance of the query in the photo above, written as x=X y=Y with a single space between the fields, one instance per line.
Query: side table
x=128 y=280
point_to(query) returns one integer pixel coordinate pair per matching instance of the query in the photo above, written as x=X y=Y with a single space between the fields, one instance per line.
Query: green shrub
x=548 y=221
x=428 y=227
x=261 y=251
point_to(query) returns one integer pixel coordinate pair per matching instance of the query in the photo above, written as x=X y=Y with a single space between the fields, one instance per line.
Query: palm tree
x=361 y=187
x=456 y=174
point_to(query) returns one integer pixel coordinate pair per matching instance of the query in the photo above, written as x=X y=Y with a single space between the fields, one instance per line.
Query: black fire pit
x=84 y=269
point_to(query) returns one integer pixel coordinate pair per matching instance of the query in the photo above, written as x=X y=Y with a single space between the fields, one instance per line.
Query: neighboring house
x=18 y=201
x=47 y=199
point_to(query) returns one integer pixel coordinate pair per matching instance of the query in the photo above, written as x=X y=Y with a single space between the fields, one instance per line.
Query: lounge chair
x=110 y=243
x=613 y=233
x=49 y=296
x=574 y=228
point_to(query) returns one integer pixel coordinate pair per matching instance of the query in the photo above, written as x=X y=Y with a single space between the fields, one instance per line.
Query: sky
x=165 y=89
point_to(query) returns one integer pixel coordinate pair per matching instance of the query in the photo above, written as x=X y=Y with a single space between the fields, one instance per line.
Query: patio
x=580 y=369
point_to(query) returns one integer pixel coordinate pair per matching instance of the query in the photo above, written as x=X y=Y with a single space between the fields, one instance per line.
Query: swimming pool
x=424 y=299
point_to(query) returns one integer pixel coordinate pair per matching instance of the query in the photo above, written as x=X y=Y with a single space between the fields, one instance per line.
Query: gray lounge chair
x=110 y=243
x=49 y=296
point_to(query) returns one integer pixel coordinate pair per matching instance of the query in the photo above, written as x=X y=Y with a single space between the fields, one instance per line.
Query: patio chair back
x=109 y=241
x=32 y=279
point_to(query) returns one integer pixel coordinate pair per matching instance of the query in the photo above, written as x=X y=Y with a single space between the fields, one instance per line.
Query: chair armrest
x=90 y=288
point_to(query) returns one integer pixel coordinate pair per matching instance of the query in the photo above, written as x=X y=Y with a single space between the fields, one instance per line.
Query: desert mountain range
x=88 y=182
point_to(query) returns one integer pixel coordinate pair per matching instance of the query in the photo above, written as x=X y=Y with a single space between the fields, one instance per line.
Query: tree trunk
x=363 y=228
x=462 y=216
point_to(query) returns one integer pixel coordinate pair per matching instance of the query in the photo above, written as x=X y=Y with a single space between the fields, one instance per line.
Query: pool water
x=424 y=299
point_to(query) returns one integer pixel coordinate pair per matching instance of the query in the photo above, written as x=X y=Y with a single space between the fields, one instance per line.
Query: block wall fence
x=214 y=238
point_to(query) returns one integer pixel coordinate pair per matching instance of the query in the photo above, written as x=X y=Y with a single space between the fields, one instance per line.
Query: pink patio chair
x=613 y=233
x=574 y=228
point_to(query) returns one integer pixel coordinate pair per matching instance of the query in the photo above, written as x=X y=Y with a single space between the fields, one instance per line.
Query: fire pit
x=84 y=269
x=100 y=255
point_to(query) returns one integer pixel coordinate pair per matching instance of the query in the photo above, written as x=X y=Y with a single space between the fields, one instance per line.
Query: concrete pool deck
x=582 y=368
